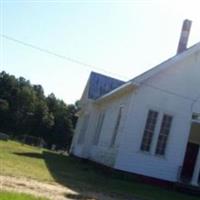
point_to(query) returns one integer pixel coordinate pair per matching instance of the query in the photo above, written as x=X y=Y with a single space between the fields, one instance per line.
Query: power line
x=59 y=55
x=169 y=92
x=90 y=66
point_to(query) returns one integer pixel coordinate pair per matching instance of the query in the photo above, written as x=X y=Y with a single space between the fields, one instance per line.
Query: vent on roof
x=182 y=46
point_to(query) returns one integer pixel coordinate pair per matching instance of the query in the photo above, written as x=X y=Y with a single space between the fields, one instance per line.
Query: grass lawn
x=17 y=196
x=25 y=161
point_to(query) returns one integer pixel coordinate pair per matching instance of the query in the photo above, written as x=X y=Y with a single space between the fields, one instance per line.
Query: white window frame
x=83 y=129
x=149 y=130
x=165 y=129
x=99 y=126
x=117 y=126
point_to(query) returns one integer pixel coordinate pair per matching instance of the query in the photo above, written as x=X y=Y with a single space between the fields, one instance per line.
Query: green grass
x=25 y=161
x=17 y=196
x=15 y=165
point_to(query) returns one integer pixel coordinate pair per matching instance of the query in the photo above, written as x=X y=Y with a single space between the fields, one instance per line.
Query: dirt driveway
x=52 y=191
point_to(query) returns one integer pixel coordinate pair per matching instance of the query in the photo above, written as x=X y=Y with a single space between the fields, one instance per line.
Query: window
x=98 y=128
x=83 y=129
x=149 y=130
x=196 y=116
x=163 y=135
x=116 y=128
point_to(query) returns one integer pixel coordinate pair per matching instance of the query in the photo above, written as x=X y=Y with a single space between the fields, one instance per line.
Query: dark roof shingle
x=100 y=84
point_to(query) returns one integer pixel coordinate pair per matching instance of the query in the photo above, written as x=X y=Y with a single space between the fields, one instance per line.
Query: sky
x=118 y=38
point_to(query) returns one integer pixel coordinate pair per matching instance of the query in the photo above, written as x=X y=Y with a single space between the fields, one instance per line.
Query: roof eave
x=153 y=71
x=116 y=92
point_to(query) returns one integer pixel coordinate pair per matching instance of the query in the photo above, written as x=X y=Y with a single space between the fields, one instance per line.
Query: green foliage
x=4 y=195
x=24 y=109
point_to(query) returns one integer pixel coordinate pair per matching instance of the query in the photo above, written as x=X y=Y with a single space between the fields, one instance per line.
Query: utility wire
x=59 y=55
x=91 y=66
x=169 y=92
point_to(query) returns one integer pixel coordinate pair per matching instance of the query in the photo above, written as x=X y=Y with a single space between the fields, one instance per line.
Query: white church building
x=149 y=125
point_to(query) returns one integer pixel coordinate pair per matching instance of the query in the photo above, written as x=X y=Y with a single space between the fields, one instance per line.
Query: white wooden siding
x=174 y=91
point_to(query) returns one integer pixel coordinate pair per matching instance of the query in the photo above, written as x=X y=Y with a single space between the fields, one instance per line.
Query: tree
x=24 y=109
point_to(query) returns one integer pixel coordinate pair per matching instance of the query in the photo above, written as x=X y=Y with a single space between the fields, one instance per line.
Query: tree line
x=25 y=110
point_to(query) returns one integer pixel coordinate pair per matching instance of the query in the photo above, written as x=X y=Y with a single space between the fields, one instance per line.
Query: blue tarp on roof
x=100 y=84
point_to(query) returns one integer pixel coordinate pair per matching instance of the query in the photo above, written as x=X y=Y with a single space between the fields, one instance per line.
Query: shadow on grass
x=31 y=155
x=73 y=173
x=78 y=197
x=82 y=177
x=78 y=175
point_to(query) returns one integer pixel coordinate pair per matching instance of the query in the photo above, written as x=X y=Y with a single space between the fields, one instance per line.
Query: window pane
x=98 y=128
x=83 y=129
x=116 y=128
x=149 y=130
x=163 y=136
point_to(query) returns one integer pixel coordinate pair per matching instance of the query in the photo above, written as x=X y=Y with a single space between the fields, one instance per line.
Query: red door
x=189 y=162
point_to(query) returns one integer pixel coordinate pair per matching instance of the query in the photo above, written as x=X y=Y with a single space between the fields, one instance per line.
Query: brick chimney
x=182 y=45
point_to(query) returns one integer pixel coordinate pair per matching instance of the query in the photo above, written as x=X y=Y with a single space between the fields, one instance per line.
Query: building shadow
x=29 y=154
x=78 y=197
x=89 y=180
x=67 y=171
x=72 y=173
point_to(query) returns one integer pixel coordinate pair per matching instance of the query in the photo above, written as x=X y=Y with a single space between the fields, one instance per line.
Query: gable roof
x=100 y=85
x=164 y=65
